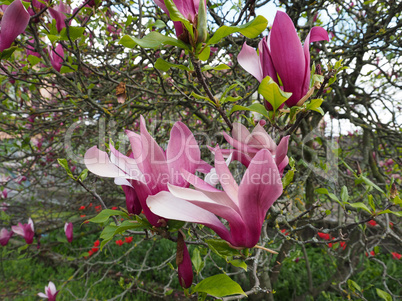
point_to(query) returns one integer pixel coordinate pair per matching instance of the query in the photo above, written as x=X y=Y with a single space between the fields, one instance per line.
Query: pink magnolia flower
x=188 y=8
x=4 y=193
x=50 y=292
x=56 y=57
x=58 y=13
x=244 y=206
x=25 y=230
x=183 y=261
x=5 y=236
x=247 y=145
x=68 y=229
x=13 y=23
x=282 y=56
x=148 y=168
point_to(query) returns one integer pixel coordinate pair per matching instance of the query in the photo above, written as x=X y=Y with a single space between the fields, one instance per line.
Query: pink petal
x=240 y=132
x=13 y=23
x=261 y=139
x=52 y=287
x=260 y=187
x=184 y=269
x=282 y=150
x=168 y=206
x=126 y=164
x=182 y=153
x=203 y=167
x=197 y=182
x=239 y=145
x=143 y=192
x=42 y=295
x=249 y=60
x=98 y=162
x=225 y=177
x=316 y=34
x=266 y=60
x=19 y=230
x=132 y=201
x=154 y=164
x=288 y=57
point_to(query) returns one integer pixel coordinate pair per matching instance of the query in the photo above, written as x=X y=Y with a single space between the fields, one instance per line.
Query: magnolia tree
x=225 y=138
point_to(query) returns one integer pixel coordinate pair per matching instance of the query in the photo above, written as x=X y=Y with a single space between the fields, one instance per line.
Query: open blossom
x=5 y=236
x=14 y=21
x=282 y=56
x=25 y=230
x=244 y=206
x=50 y=292
x=248 y=144
x=68 y=229
x=396 y=255
x=148 y=168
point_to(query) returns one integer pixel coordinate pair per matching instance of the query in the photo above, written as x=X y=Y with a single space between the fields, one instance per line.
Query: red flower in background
x=396 y=255
x=372 y=223
x=372 y=253
x=324 y=236
x=115 y=208
x=82 y=208
x=94 y=250
x=119 y=242
x=96 y=243
x=128 y=239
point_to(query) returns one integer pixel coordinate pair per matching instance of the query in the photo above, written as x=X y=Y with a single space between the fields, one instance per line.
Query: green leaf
x=197 y=261
x=222 y=248
x=33 y=60
x=205 y=53
x=344 y=194
x=360 y=205
x=272 y=93
x=314 y=105
x=321 y=190
x=371 y=202
x=219 y=286
x=7 y=52
x=151 y=40
x=161 y=64
x=353 y=285
x=368 y=182
x=174 y=225
x=65 y=69
x=288 y=178
x=83 y=175
x=159 y=24
x=397 y=213
x=104 y=215
x=238 y=263
x=255 y=107
x=383 y=295
x=251 y=30
x=64 y=164
x=74 y=32
x=127 y=225
x=219 y=67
